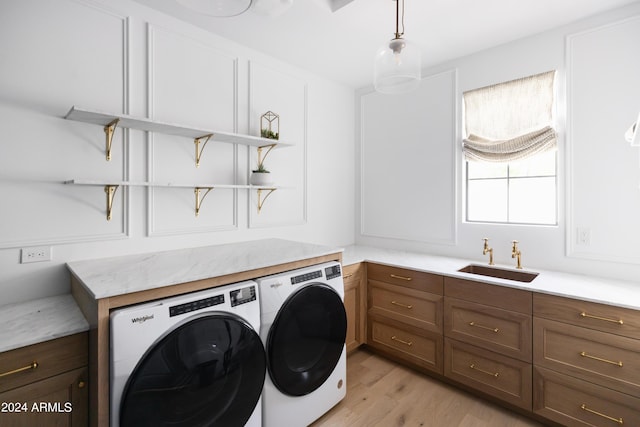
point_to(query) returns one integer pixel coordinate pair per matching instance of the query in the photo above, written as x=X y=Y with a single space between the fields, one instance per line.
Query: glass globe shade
x=397 y=67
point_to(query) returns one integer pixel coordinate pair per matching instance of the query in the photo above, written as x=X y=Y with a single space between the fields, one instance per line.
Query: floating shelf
x=110 y=121
x=200 y=190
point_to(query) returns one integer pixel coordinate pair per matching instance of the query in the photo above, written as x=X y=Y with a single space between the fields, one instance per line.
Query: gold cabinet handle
x=409 y=307
x=584 y=354
x=346 y=276
x=408 y=279
x=33 y=365
x=407 y=343
x=615 y=420
x=605 y=319
x=474 y=324
x=493 y=374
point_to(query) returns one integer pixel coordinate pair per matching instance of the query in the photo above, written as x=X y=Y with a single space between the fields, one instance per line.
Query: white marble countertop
x=40 y=320
x=601 y=290
x=110 y=277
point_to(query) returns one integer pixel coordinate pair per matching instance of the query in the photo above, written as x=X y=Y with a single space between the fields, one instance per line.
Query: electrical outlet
x=583 y=236
x=35 y=254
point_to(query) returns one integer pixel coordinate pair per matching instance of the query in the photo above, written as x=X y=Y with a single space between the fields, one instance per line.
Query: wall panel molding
x=85 y=217
x=271 y=89
x=408 y=189
x=606 y=207
x=177 y=205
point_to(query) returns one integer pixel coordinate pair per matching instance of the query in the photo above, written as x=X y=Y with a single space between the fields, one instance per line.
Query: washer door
x=306 y=339
x=208 y=371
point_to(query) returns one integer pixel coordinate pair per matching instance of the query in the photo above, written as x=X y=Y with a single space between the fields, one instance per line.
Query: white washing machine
x=191 y=360
x=303 y=329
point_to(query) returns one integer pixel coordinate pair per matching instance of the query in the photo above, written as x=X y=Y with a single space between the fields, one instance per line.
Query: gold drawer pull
x=484 y=327
x=33 y=365
x=584 y=354
x=408 y=279
x=409 y=307
x=618 y=321
x=615 y=420
x=493 y=374
x=407 y=343
x=346 y=276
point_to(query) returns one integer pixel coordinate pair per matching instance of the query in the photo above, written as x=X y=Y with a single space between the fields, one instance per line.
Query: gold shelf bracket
x=111 y=192
x=261 y=200
x=261 y=157
x=199 y=199
x=109 y=130
x=199 y=150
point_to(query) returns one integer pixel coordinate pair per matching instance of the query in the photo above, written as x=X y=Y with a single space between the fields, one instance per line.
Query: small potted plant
x=261 y=176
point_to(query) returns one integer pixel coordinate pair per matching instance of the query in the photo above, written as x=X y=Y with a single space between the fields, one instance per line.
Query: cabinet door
x=353 y=304
x=58 y=401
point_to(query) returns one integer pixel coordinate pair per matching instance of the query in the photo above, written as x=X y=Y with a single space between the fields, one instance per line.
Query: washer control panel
x=243 y=296
x=188 y=307
x=332 y=272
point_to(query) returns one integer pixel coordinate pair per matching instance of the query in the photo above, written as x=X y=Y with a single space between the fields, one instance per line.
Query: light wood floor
x=385 y=394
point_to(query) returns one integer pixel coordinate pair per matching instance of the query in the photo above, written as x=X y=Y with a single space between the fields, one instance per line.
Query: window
x=510 y=152
x=519 y=192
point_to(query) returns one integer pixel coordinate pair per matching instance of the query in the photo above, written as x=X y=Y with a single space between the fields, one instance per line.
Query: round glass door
x=306 y=339
x=208 y=371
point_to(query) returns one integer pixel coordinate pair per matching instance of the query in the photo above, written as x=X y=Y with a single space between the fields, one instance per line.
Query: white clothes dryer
x=191 y=360
x=303 y=329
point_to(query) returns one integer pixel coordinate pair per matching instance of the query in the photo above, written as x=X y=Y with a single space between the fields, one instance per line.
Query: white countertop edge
x=109 y=277
x=613 y=292
x=39 y=320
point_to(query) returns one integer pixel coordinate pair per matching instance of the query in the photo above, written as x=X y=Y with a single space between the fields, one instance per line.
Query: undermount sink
x=501 y=273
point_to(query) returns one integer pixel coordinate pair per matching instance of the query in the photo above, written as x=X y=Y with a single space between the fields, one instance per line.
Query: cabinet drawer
x=572 y=402
x=67 y=394
x=420 y=348
x=52 y=358
x=606 y=318
x=417 y=308
x=407 y=278
x=491 y=373
x=493 y=295
x=595 y=356
x=495 y=329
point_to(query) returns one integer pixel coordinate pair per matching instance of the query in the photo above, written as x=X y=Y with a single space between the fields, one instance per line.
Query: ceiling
x=339 y=38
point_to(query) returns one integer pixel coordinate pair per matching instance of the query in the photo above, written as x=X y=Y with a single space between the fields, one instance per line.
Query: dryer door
x=306 y=339
x=209 y=371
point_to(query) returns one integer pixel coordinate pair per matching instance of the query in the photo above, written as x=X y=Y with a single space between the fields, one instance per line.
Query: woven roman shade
x=510 y=121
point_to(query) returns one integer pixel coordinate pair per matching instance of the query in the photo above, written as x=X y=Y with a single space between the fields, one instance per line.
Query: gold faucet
x=487 y=249
x=515 y=253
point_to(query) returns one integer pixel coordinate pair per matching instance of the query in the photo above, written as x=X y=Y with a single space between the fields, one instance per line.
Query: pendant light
x=397 y=62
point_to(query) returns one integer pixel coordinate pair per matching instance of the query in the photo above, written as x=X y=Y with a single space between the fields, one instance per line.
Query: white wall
x=119 y=56
x=599 y=173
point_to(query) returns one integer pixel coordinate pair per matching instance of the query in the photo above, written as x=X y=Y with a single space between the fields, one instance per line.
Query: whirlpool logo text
x=142 y=319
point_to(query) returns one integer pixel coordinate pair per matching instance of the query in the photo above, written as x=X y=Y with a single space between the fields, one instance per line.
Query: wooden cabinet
x=487 y=332
x=52 y=390
x=355 y=304
x=405 y=315
x=563 y=360
x=586 y=362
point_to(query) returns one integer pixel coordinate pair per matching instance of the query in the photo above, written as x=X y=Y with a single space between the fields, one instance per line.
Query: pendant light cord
x=398 y=21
